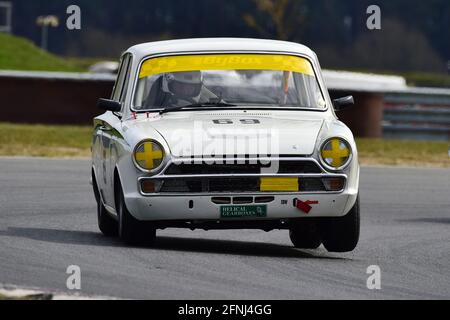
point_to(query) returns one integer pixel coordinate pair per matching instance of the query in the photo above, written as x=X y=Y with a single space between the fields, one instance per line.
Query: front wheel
x=131 y=230
x=304 y=234
x=106 y=223
x=341 y=234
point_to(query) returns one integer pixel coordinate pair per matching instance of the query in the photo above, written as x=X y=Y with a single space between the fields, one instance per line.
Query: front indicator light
x=148 y=155
x=333 y=184
x=150 y=186
x=335 y=153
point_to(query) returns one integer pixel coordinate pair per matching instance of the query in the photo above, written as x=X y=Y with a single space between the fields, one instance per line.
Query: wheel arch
x=117 y=184
x=95 y=185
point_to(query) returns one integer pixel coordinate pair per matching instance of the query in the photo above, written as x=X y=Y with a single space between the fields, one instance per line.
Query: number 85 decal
x=243 y=121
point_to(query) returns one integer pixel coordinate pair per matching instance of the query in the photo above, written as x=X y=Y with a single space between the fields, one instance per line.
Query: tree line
x=415 y=34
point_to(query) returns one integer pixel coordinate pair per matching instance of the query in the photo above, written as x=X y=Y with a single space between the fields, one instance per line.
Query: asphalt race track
x=48 y=222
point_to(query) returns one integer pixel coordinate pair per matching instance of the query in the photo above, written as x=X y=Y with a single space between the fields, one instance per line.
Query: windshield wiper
x=197 y=105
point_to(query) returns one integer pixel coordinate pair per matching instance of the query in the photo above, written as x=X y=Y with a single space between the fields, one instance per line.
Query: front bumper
x=200 y=207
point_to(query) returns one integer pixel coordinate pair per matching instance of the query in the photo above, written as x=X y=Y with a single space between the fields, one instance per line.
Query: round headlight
x=335 y=153
x=148 y=155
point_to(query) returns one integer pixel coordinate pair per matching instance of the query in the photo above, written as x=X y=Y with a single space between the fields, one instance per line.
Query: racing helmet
x=184 y=85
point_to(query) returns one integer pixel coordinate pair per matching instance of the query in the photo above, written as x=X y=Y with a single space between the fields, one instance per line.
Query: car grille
x=237 y=178
x=284 y=166
x=228 y=185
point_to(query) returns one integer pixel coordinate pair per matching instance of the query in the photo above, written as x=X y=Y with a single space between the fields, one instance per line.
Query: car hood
x=191 y=134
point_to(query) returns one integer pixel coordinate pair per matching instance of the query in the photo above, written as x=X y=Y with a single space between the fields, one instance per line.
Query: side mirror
x=343 y=103
x=109 y=105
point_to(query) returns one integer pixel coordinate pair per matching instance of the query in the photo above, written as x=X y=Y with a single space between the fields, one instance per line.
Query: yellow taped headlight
x=335 y=153
x=148 y=155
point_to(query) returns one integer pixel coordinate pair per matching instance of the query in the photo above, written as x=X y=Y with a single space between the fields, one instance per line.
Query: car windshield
x=227 y=80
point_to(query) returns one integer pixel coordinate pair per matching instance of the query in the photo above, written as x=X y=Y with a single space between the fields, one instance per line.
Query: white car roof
x=218 y=44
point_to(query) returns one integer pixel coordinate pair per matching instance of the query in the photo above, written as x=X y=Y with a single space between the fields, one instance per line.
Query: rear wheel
x=131 y=230
x=341 y=234
x=106 y=223
x=304 y=234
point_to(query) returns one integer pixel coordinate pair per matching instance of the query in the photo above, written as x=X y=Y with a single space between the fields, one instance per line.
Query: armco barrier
x=417 y=115
x=70 y=98
x=51 y=98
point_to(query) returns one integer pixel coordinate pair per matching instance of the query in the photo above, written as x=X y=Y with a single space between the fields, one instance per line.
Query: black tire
x=304 y=234
x=341 y=234
x=131 y=230
x=106 y=223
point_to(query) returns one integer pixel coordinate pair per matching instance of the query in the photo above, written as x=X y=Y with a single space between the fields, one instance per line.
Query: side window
x=127 y=78
x=121 y=78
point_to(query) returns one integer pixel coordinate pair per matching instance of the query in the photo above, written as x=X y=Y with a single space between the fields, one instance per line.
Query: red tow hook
x=304 y=206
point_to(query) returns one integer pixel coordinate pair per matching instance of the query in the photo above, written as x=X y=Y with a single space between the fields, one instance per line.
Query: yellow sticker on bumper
x=200 y=62
x=279 y=184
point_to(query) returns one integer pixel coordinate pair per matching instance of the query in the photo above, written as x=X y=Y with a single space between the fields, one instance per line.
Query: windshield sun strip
x=287 y=53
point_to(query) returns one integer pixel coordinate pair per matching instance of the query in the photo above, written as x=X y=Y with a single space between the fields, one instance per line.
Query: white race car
x=225 y=134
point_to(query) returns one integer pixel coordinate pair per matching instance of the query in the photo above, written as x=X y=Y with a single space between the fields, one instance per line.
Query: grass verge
x=44 y=140
x=18 y=53
x=403 y=152
x=75 y=141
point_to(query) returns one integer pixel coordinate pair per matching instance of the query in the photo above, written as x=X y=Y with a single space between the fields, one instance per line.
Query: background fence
x=385 y=106
x=422 y=114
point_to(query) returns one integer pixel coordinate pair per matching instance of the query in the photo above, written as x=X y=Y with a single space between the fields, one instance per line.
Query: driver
x=175 y=89
x=185 y=86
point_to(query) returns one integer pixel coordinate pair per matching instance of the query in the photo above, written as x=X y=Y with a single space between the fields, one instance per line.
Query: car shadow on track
x=62 y=236
x=215 y=246
x=235 y=247
x=428 y=220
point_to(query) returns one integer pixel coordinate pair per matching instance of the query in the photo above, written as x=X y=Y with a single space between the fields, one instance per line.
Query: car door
x=109 y=130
